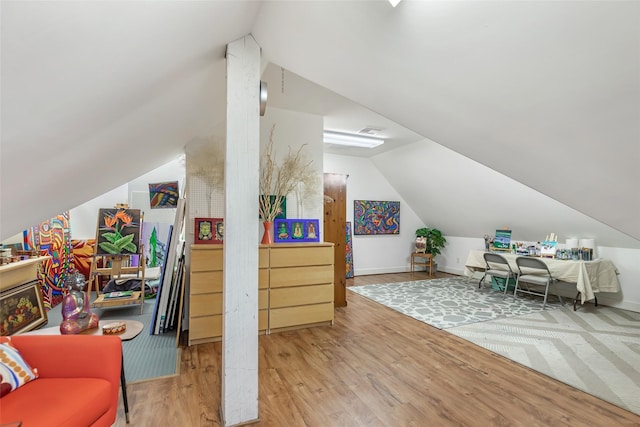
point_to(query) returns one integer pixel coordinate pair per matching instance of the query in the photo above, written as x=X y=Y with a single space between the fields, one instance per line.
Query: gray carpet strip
x=146 y=356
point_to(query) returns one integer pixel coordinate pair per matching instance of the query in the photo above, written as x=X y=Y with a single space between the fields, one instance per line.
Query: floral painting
x=376 y=217
x=118 y=231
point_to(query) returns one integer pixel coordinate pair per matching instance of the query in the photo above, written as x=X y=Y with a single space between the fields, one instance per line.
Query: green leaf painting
x=118 y=231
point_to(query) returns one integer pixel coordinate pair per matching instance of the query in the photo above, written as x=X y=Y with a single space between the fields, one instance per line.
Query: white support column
x=240 y=304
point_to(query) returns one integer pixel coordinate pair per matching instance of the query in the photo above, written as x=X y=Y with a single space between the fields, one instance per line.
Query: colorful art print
x=502 y=240
x=296 y=230
x=118 y=231
x=349 y=251
x=282 y=209
x=208 y=230
x=164 y=195
x=22 y=309
x=52 y=238
x=376 y=217
x=155 y=240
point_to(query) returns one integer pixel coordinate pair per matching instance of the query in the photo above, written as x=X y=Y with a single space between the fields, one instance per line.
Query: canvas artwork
x=376 y=217
x=164 y=195
x=22 y=309
x=155 y=240
x=118 y=231
x=208 y=230
x=502 y=239
x=349 y=252
x=52 y=238
x=282 y=209
x=296 y=230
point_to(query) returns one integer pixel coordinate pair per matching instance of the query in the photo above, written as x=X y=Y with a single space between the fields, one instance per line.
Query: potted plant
x=434 y=240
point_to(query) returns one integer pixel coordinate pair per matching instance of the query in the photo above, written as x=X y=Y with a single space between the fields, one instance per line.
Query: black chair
x=497 y=266
x=534 y=271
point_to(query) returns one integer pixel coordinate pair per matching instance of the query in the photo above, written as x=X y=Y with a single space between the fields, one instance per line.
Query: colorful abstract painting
x=82 y=255
x=376 y=217
x=164 y=195
x=118 y=231
x=52 y=238
x=349 y=252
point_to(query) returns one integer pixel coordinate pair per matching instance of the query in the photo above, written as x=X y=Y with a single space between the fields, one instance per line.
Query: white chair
x=497 y=266
x=535 y=272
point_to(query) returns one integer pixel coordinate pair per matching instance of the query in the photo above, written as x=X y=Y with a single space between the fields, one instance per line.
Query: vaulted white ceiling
x=548 y=93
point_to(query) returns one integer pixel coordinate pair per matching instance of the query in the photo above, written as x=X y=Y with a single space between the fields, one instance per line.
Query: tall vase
x=267 y=237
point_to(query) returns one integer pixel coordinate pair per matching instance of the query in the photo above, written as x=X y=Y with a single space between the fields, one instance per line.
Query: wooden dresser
x=295 y=288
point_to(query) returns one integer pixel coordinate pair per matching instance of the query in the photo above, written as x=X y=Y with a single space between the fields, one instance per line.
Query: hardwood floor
x=373 y=367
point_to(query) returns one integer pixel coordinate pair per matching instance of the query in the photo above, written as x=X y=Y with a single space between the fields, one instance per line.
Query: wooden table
x=134 y=328
x=424 y=260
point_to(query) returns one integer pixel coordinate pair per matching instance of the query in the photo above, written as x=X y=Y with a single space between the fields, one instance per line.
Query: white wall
x=381 y=253
x=292 y=130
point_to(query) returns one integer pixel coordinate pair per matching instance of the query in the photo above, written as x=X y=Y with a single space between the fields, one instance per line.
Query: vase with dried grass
x=277 y=180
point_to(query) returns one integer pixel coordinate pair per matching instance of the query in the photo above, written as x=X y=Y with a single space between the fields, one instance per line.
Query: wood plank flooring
x=373 y=367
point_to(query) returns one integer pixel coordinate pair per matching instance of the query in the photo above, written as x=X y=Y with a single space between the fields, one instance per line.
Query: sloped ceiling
x=548 y=93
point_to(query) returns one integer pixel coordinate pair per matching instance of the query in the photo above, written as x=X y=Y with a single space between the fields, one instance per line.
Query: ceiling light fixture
x=352 y=140
x=394 y=3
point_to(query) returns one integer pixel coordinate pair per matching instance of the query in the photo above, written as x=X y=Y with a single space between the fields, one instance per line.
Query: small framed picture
x=22 y=308
x=296 y=230
x=208 y=230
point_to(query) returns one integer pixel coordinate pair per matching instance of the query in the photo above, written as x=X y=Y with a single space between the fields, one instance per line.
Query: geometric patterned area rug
x=594 y=349
x=450 y=302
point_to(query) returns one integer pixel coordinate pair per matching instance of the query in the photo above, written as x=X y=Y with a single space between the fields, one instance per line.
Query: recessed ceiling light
x=394 y=3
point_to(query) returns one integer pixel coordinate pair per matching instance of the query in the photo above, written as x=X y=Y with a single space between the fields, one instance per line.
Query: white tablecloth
x=590 y=277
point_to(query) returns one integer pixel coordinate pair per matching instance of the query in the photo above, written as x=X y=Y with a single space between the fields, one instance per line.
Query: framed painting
x=282 y=209
x=349 y=252
x=22 y=309
x=502 y=240
x=296 y=230
x=376 y=217
x=164 y=195
x=208 y=230
x=118 y=231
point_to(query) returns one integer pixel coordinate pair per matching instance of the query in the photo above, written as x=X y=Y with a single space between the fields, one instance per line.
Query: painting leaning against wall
x=52 y=238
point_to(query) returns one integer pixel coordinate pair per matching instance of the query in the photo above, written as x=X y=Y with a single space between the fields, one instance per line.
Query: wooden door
x=335 y=224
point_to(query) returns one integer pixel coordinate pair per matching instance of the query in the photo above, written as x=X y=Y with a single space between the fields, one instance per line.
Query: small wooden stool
x=427 y=261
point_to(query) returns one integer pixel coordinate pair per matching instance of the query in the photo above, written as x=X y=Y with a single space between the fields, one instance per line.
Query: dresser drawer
x=205 y=282
x=285 y=297
x=205 y=304
x=302 y=315
x=301 y=276
x=205 y=327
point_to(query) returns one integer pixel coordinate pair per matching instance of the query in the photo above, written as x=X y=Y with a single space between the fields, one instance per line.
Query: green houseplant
x=434 y=239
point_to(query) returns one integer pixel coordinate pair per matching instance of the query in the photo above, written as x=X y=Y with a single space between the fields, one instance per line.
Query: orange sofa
x=78 y=384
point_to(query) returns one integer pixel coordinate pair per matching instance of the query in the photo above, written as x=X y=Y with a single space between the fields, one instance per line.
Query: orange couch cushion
x=69 y=402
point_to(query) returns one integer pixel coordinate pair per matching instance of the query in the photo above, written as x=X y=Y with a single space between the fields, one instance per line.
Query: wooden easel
x=115 y=266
